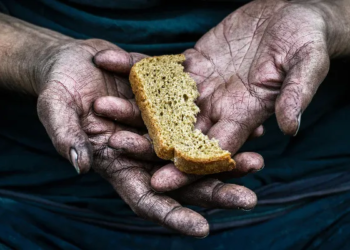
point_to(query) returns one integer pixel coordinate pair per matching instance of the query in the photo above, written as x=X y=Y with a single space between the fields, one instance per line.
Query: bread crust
x=212 y=165
x=183 y=162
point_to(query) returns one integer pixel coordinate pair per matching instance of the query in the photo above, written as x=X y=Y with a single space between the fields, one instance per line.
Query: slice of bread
x=165 y=95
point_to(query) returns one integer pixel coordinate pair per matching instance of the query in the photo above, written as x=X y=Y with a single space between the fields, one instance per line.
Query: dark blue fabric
x=113 y=4
x=168 y=27
x=303 y=190
x=318 y=224
x=140 y=4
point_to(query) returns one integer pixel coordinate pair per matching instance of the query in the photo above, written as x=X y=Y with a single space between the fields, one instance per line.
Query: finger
x=170 y=178
x=258 y=132
x=62 y=124
x=197 y=66
x=119 y=109
x=123 y=87
x=231 y=134
x=203 y=123
x=213 y=193
x=132 y=184
x=117 y=61
x=248 y=162
x=133 y=145
x=299 y=87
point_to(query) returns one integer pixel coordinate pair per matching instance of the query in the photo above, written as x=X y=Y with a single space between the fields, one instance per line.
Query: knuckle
x=216 y=191
x=144 y=204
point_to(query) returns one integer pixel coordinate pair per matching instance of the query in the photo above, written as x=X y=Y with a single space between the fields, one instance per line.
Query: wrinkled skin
x=74 y=95
x=267 y=57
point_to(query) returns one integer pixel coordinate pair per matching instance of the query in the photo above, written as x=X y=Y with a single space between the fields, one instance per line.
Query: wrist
x=24 y=52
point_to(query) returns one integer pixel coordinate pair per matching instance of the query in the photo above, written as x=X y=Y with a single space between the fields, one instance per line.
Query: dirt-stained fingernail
x=257 y=170
x=203 y=237
x=148 y=138
x=74 y=159
x=299 y=121
x=244 y=209
x=157 y=192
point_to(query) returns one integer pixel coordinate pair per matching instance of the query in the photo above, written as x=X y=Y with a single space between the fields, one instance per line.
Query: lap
x=319 y=224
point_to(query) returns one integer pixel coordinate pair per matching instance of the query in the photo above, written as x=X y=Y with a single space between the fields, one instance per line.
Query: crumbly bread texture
x=165 y=95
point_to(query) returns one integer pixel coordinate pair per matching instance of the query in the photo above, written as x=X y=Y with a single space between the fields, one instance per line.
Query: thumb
x=231 y=133
x=62 y=124
x=300 y=85
x=117 y=61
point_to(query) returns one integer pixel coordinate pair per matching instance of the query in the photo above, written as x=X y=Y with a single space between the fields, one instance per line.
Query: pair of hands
x=93 y=121
x=267 y=57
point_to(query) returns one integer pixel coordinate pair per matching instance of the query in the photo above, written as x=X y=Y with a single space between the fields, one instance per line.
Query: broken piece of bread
x=165 y=95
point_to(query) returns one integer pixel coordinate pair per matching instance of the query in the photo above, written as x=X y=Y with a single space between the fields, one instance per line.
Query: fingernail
x=257 y=170
x=262 y=167
x=97 y=114
x=119 y=150
x=205 y=236
x=299 y=121
x=157 y=192
x=244 y=209
x=148 y=138
x=74 y=159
